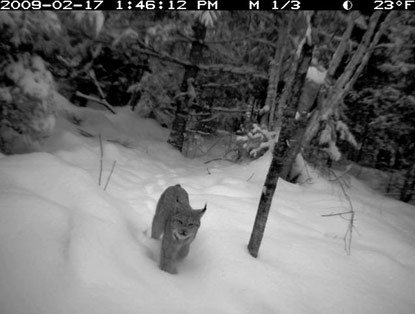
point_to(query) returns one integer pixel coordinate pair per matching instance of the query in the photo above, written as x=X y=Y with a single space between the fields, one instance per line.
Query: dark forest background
x=338 y=86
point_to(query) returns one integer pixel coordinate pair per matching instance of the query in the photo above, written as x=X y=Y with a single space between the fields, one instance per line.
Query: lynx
x=178 y=222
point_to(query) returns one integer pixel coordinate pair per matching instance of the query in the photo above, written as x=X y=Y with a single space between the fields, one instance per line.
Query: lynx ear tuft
x=204 y=209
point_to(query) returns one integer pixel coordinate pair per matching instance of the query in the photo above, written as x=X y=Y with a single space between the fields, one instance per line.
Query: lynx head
x=185 y=223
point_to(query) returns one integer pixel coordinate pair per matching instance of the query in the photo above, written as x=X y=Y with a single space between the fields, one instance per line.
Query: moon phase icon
x=347 y=5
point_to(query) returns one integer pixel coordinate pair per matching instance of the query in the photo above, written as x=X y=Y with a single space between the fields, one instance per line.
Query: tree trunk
x=330 y=97
x=409 y=183
x=287 y=147
x=177 y=134
x=408 y=186
x=274 y=73
x=342 y=47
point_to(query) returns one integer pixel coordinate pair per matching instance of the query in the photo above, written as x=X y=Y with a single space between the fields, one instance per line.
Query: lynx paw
x=169 y=269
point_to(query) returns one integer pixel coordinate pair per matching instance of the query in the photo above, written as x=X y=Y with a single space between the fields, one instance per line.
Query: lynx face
x=184 y=225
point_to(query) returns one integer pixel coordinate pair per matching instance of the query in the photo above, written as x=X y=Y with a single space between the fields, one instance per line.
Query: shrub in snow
x=27 y=111
x=256 y=142
x=331 y=134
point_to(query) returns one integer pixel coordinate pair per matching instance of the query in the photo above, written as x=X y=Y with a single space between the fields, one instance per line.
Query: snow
x=27 y=113
x=68 y=246
x=31 y=75
x=316 y=75
x=345 y=133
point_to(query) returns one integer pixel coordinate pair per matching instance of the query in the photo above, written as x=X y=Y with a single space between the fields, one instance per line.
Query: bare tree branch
x=241 y=70
x=102 y=102
x=349 y=232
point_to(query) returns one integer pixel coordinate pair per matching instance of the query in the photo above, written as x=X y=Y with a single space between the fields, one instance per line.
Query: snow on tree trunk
x=288 y=145
x=177 y=134
x=330 y=97
x=319 y=88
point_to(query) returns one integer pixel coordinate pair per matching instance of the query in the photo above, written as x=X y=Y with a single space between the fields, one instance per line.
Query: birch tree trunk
x=330 y=96
x=288 y=146
x=342 y=47
x=177 y=134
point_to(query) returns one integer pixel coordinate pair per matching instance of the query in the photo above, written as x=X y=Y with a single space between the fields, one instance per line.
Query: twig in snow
x=349 y=232
x=101 y=159
x=348 y=236
x=341 y=177
x=337 y=214
x=216 y=159
x=85 y=133
x=109 y=177
x=127 y=143
x=251 y=176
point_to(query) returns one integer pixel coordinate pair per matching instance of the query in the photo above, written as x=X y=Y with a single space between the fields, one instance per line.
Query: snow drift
x=68 y=246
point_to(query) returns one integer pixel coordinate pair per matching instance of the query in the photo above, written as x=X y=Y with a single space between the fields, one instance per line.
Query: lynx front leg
x=167 y=264
x=184 y=251
x=157 y=227
x=168 y=259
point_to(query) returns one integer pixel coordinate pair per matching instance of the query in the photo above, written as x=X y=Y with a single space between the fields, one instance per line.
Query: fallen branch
x=102 y=102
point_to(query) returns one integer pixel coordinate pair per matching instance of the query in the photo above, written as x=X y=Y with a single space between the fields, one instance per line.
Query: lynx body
x=178 y=223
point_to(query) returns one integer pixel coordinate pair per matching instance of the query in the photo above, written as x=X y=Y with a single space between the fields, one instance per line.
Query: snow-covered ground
x=68 y=246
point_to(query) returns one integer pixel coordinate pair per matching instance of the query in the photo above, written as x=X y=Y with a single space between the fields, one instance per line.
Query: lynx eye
x=180 y=222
